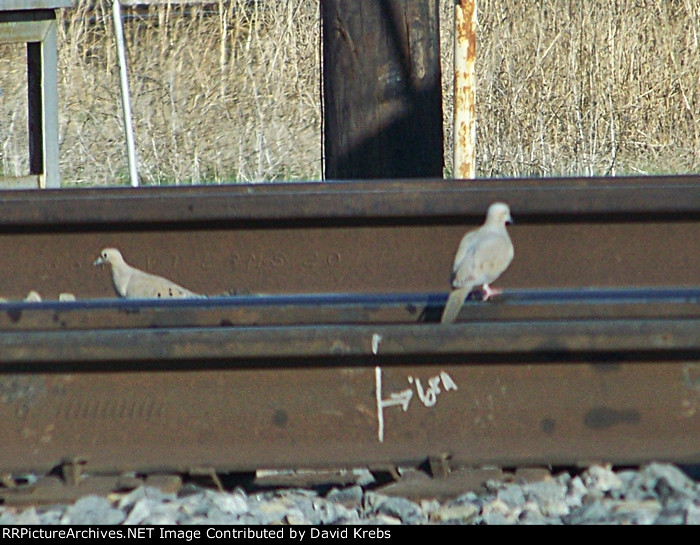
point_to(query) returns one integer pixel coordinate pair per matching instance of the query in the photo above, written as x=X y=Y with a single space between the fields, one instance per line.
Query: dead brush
x=229 y=90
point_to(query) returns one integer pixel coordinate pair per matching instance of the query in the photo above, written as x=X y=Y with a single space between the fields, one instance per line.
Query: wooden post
x=464 y=116
x=382 y=93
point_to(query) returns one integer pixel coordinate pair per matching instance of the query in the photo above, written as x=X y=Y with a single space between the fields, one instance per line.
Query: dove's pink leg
x=489 y=292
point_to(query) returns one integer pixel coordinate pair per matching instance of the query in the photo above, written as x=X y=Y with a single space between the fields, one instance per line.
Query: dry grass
x=231 y=91
x=225 y=92
x=597 y=87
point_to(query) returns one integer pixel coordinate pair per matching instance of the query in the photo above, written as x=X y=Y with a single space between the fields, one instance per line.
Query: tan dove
x=132 y=283
x=482 y=256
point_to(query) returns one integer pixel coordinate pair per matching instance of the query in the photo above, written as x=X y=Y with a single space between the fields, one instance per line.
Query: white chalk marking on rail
x=428 y=395
x=447 y=382
x=402 y=398
x=376 y=339
x=380 y=409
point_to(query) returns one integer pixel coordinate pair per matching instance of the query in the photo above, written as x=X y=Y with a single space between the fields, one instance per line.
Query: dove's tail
x=454 y=304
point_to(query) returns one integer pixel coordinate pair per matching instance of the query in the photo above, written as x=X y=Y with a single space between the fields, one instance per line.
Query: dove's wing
x=465 y=251
x=483 y=258
x=143 y=285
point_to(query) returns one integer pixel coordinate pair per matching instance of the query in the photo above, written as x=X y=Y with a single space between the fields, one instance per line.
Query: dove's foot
x=489 y=292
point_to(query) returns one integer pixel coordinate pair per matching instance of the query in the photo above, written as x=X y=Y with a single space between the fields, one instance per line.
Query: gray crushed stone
x=654 y=494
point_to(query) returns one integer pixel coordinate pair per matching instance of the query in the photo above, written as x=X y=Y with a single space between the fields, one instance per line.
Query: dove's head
x=109 y=256
x=499 y=214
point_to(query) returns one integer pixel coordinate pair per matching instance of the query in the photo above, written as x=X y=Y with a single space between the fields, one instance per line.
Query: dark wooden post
x=382 y=92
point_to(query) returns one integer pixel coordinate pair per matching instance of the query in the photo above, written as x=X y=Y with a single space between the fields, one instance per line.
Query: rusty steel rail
x=235 y=399
x=345 y=237
x=559 y=335
x=333 y=355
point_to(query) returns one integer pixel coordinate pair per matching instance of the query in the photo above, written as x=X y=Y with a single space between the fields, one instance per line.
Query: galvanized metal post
x=126 y=102
x=464 y=135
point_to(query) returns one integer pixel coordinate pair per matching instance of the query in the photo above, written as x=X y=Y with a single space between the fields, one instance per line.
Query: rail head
x=565 y=199
x=327 y=329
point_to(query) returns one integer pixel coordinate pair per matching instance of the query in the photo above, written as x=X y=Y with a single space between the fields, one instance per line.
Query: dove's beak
x=509 y=220
x=98 y=261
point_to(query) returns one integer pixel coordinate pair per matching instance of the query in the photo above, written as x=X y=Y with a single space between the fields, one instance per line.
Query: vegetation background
x=229 y=90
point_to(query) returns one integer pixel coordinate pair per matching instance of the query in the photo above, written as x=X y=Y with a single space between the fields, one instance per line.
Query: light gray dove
x=132 y=283
x=482 y=256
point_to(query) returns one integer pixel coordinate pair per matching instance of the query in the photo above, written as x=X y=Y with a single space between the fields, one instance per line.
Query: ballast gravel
x=654 y=494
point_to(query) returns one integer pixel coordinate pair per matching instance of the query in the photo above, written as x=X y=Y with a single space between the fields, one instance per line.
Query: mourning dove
x=132 y=283
x=482 y=256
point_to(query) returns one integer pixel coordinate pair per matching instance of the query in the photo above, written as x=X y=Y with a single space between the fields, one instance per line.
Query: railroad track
x=319 y=346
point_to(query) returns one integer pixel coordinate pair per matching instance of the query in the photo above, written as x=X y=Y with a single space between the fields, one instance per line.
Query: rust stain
x=465 y=30
x=280 y=418
x=691 y=376
x=464 y=89
x=23 y=388
x=606 y=417
x=548 y=425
